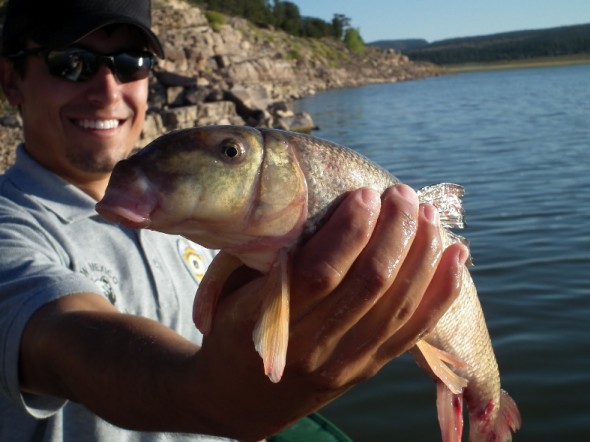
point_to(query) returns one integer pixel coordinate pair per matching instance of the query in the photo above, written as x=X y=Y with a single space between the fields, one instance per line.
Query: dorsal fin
x=446 y=197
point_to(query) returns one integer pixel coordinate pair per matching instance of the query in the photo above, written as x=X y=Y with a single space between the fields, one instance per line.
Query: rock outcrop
x=241 y=73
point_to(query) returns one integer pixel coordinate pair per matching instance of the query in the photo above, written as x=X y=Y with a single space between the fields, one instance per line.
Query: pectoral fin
x=271 y=334
x=437 y=361
x=210 y=288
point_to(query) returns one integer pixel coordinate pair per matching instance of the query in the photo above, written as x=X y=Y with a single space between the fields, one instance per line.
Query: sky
x=434 y=20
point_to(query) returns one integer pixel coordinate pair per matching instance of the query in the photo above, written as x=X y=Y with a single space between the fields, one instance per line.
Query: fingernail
x=406 y=192
x=463 y=255
x=371 y=198
x=430 y=213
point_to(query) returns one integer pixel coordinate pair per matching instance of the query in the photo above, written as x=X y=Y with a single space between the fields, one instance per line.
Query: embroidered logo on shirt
x=104 y=278
x=193 y=260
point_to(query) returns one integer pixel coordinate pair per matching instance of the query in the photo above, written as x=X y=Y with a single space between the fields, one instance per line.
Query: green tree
x=287 y=17
x=284 y=15
x=340 y=23
x=353 y=40
x=316 y=28
x=257 y=11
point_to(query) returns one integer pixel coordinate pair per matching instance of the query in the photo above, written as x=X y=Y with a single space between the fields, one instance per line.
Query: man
x=96 y=338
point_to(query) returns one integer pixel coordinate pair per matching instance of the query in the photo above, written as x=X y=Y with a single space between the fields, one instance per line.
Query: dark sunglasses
x=76 y=64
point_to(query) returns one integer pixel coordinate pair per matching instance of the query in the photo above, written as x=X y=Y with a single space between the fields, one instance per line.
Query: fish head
x=190 y=182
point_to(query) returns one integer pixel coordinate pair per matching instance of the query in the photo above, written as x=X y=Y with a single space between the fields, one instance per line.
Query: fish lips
x=121 y=208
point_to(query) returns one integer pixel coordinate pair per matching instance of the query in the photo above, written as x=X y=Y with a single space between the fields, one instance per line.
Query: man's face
x=80 y=130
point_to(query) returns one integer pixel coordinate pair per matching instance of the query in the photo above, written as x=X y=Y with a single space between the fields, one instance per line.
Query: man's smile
x=98 y=124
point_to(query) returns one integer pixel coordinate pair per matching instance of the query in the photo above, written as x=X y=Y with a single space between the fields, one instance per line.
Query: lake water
x=519 y=142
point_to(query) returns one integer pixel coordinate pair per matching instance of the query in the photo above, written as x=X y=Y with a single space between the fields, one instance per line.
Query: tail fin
x=508 y=420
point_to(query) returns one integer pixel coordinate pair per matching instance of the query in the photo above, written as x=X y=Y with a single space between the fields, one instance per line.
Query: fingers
x=402 y=298
x=370 y=276
x=376 y=266
x=393 y=293
x=442 y=291
x=326 y=258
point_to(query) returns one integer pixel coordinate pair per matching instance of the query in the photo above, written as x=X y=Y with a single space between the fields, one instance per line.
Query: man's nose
x=104 y=87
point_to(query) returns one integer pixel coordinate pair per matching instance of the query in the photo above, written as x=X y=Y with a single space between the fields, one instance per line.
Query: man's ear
x=10 y=82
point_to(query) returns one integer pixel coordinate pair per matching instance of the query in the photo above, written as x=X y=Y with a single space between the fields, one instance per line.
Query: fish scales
x=293 y=181
x=330 y=171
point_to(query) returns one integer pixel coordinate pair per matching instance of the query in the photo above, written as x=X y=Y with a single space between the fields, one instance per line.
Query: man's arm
x=366 y=288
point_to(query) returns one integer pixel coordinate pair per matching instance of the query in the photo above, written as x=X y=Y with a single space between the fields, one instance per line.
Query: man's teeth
x=98 y=124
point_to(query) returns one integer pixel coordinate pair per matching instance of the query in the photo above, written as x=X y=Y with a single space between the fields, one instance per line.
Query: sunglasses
x=76 y=64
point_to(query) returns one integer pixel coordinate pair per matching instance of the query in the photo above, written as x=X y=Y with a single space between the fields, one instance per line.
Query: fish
x=255 y=195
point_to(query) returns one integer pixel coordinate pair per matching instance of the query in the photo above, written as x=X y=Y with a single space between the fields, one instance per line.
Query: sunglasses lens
x=81 y=65
x=72 y=65
x=132 y=66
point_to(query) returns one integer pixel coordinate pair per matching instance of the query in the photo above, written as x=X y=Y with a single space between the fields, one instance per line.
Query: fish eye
x=231 y=149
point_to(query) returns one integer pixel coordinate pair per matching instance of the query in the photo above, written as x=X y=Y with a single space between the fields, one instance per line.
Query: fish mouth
x=130 y=198
x=117 y=214
x=129 y=209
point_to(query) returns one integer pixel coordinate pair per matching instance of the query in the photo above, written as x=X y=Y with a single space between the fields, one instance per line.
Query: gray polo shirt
x=53 y=244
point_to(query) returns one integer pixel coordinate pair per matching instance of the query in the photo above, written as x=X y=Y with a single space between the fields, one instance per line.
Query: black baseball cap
x=58 y=23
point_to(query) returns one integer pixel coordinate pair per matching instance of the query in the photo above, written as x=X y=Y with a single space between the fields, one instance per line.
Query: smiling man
x=96 y=335
x=91 y=124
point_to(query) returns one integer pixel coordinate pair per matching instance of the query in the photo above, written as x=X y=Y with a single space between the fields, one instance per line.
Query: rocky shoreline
x=240 y=74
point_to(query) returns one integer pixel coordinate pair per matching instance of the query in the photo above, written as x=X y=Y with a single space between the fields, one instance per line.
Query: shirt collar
x=64 y=199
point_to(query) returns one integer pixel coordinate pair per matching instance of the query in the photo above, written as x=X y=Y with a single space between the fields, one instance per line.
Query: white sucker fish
x=256 y=194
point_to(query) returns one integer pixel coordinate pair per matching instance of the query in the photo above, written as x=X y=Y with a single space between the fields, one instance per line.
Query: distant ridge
x=507 y=46
x=400 y=45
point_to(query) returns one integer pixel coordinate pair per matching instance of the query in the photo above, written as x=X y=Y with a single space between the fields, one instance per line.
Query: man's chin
x=97 y=162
